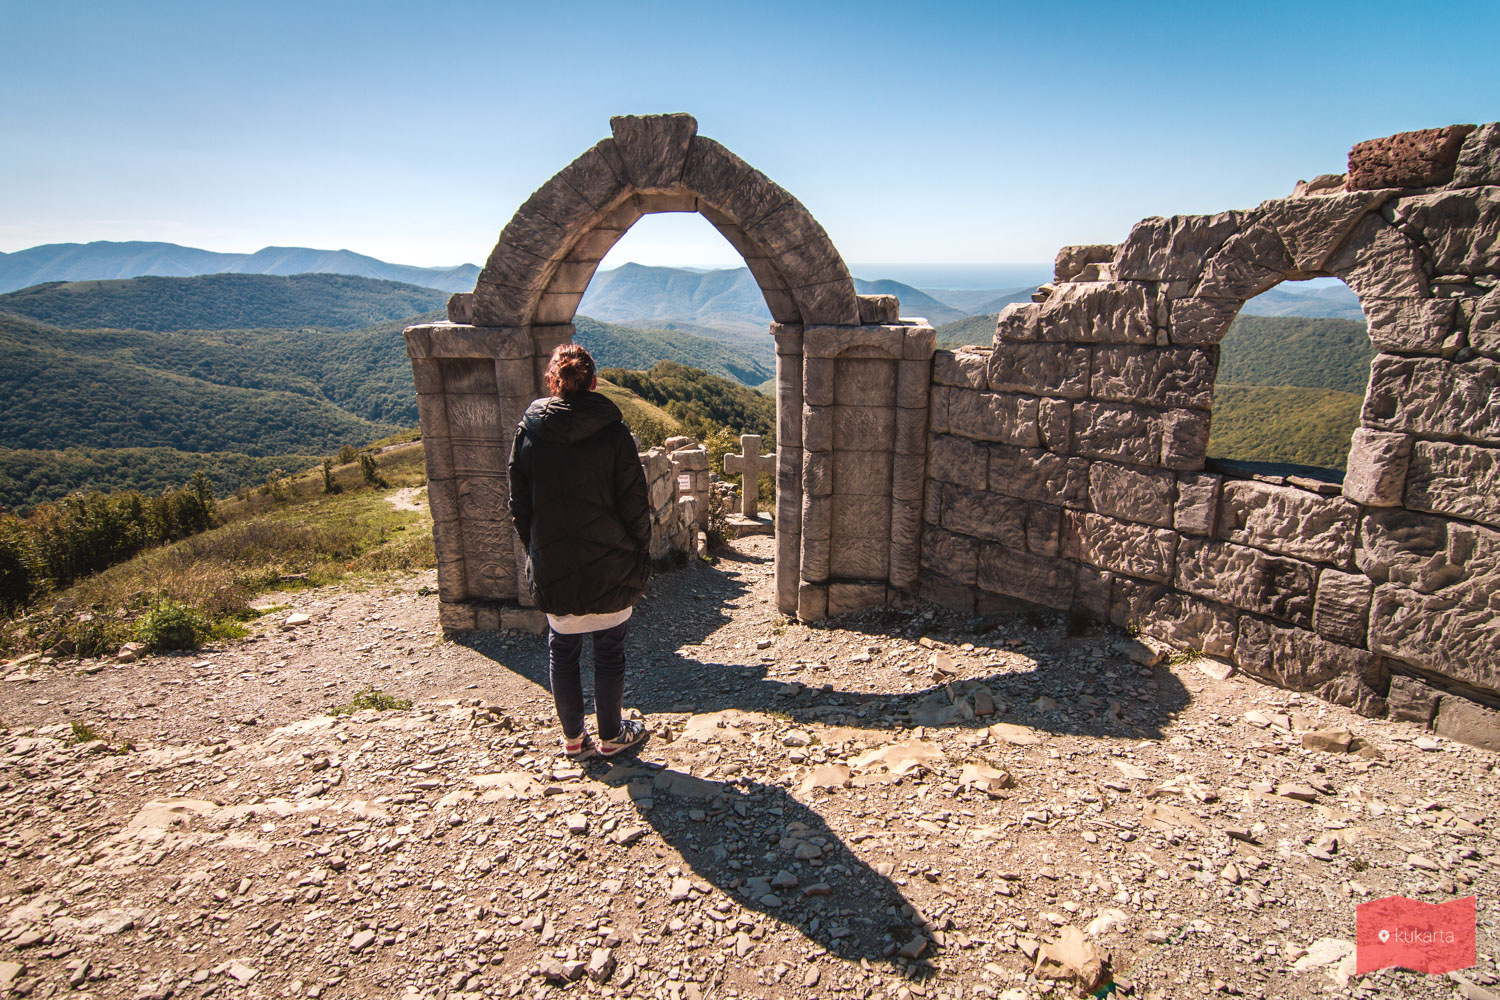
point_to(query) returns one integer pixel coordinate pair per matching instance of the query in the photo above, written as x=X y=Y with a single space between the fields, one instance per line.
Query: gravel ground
x=904 y=803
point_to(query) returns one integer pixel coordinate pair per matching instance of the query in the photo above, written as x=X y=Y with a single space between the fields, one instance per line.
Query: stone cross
x=750 y=465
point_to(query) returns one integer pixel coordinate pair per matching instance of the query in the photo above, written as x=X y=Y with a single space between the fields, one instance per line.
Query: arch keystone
x=654 y=148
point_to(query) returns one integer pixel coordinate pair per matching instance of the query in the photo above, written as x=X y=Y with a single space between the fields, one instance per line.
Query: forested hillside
x=701 y=402
x=223 y=302
x=627 y=347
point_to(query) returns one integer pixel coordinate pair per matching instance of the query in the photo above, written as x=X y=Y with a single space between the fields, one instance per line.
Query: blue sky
x=941 y=132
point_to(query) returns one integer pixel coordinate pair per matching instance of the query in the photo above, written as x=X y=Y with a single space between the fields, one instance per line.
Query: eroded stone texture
x=1438 y=633
x=1479 y=158
x=1038 y=579
x=1174 y=617
x=1039 y=475
x=1313 y=229
x=1155 y=376
x=958 y=460
x=1000 y=519
x=1132 y=549
x=1409 y=326
x=1202 y=321
x=1246 y=578
x=1047 y=369
x=1173 y=249
x=1095 y=312
x=994 y=416
x=1423 y=158
x=1304 y=661
x=1184 y=442
x=1197 y=508
x=1432 y=397
x=1250 y=262
x=1379 y=261
x=1378 y=462
x=1484 y=324
x=1341 y=611
x=964 y=368
x=1289 y=522
x=1111 y=430
x=1132 y=494
x=1432 y=555
x=1457 y=479
x=1459 y=229
x=950 y=554
x=1072 y=260
x=1469 y=722
x=1411 y=699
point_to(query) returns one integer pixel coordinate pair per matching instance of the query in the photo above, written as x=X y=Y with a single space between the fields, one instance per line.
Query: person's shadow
x=863 y=914
x=794 y=868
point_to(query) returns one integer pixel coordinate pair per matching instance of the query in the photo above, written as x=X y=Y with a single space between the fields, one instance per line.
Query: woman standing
x=579 y=502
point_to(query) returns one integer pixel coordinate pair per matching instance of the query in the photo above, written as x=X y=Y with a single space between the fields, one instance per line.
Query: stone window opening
x=1290 y=385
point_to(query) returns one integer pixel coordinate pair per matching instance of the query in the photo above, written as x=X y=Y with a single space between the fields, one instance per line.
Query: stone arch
x=548 y=252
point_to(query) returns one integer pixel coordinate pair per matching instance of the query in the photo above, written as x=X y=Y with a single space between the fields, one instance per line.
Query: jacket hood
x=569 y=420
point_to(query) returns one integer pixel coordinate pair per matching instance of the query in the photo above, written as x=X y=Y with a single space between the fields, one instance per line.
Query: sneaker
x=578 y=747
x=633 y=736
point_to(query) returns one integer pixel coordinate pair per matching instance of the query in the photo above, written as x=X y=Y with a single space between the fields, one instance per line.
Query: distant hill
x=698 y=400
x=1293 y=350
x=1327 y=298
x=971 y=331
x=104 y=260
x=222 y=302
x=616 y=346
x=1283 y=424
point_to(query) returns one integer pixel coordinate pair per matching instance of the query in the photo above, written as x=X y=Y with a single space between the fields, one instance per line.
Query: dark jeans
x=609 y=679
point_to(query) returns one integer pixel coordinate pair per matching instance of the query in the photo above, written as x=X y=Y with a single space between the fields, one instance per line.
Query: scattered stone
x=1328 y=740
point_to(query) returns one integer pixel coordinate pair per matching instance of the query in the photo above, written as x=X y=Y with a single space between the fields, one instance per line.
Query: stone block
x=906 y=530
x=1250 y=262
x=1093 y=590
x=487 y=618
x=1197 y=507
x=1184 y=442
x=1017 y=323
x=817 y=517
x=474 y=416
x=438 y=453
x=713 y=172
x=987 y=516
x=990 y=416
x=653 y=148
x=831 y=302
x=817 y=473
x=427 y=376
x=937 y=409
x=846 y=597
x=862 y=473
x=1155 y=376
x=817 y=428
x=1300 y=660
x=1479 y=158
x=964 y=368
x=947 y=593
x=864 y=382
x=950 y=555
x=1112 y=430
x=816 y=554
x=1341 y=609
x=812 y=601
x=1039 y=475
x=908 y=475
x=1042 y=369
x=1201 y=321
x=432 y=415
x=479 y=458
x=456 y=616
x=913 y=380
x=489 y=566
x=1433 y=555
x=1378 y=462
x=418 y=341
x=1439 y=633
x=1484 y=324
x=1054 y=424
x=1288 y=521
x=1096 y=312
x=1424 y=158
x=859 y=558
x=911 y=432
x=864 y=428
x=818 y=381
x=1412 y=699
x=1379 y=261
x=1459 y=229
x=1038 y=579
x=958 y=460
x=1313 y=228
x=1174 y=249
x=1246 y=578
x=860 y=517
x=1071 y=261
x=1140 y=495
x=879 y=309
x=442 y=498
x=1131 y=549
x=1468 y=722
x=918 y=342
x=523 y=620
x=1459 y=480
x=1409 y=326
x=1174 y=617
x=1044 y=529
x=788 y=568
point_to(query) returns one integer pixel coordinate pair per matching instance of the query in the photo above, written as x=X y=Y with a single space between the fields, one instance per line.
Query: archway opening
x=679 y=327
x=1292 y=374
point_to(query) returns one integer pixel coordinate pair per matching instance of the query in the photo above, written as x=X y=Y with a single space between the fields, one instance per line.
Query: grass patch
x=85 y=733
x=374 y=698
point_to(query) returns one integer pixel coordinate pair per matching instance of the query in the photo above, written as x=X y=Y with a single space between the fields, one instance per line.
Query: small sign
x=1424 y=937
x=684 y=483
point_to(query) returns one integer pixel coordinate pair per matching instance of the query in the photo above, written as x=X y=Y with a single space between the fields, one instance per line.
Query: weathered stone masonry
x=1063 y=465
x=1066 y=461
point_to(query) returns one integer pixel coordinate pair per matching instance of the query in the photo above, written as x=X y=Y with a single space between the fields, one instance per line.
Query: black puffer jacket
x=578 y=499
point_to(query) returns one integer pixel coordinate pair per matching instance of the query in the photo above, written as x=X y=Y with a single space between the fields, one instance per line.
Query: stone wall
x=1066 y=461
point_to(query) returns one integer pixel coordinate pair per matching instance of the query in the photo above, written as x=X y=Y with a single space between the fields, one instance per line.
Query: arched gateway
x=852 y=378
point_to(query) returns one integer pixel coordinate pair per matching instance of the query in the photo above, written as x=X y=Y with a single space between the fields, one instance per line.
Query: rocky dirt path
x=893 y=805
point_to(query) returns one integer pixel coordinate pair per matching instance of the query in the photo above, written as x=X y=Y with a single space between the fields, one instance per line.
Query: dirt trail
x=906 y=803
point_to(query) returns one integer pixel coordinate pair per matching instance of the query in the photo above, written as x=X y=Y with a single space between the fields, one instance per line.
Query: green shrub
x=368 y=697
x=330 y=484
x=347 y=454
x=170 y=625
x=368 y=469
